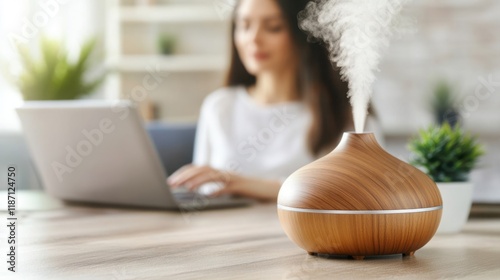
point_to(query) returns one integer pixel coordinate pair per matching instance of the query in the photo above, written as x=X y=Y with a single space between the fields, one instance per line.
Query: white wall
x=456 y=41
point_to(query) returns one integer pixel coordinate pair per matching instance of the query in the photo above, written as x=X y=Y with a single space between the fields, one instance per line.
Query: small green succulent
x=447 y=154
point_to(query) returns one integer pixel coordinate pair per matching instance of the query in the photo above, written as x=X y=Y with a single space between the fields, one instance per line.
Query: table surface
x=84 y=242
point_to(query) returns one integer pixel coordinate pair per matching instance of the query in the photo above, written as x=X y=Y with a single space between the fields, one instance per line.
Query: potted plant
x=448 y=154
x=53 y=75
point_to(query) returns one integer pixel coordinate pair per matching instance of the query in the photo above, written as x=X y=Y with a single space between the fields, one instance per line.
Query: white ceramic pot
x=457 y=200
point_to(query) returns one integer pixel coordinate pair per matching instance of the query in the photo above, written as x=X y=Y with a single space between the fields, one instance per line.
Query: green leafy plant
x=53 y=76
x=446 y=153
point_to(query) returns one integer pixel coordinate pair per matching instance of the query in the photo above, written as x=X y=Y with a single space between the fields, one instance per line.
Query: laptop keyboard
x=188 y=200
x=186 y=195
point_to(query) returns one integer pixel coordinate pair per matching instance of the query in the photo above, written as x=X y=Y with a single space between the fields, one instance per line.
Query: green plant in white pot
x=448 y=155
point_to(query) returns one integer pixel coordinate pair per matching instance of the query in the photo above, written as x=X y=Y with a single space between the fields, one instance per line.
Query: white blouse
x=237 y=134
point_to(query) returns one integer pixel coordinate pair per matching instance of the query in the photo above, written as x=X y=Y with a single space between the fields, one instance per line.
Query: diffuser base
x=407 y=254
x=360 y=234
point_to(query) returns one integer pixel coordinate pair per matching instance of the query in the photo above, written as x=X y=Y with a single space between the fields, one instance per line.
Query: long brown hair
x=320 y=82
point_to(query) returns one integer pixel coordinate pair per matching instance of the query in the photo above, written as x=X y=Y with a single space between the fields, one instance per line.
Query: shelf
x=174 y=63
x=172 y=14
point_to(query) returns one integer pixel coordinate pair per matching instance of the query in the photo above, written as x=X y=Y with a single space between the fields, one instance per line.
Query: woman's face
x=262 y=37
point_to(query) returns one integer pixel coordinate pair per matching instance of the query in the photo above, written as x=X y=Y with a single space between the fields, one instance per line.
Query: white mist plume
x=355 y=31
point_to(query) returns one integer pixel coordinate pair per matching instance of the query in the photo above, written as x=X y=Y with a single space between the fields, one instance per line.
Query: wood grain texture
x=79 y=242
x=359 y=175
x=360 y=234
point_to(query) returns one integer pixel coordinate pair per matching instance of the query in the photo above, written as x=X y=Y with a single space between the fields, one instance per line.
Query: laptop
x=99 y=152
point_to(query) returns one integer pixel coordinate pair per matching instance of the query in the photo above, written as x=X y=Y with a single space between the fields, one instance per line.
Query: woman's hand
x=192 y=177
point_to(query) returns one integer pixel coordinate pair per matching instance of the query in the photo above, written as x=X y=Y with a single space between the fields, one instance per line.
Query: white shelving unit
x=177 y=63
x=194 y=69
x=176 y=14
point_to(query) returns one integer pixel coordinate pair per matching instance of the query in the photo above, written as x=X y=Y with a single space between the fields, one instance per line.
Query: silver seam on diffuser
x=395 y=211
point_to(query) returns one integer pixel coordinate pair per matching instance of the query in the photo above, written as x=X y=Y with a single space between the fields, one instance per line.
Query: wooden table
x=82 y=242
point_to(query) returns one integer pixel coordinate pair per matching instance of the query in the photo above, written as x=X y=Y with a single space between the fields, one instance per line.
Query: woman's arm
x=193 y=176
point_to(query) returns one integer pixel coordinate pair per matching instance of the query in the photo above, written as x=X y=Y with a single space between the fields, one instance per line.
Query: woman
x=283 y=106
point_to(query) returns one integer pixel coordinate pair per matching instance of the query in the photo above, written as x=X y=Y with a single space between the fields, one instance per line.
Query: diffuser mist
x=359 y=200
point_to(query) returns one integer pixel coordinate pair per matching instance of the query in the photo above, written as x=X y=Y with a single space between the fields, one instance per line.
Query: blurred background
x=167 y=55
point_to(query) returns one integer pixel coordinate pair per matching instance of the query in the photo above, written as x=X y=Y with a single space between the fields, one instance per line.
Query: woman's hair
x=320 y=83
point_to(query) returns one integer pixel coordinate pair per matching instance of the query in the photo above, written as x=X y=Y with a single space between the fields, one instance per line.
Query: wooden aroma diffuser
x=359 y=200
